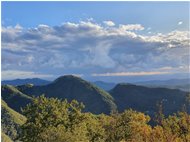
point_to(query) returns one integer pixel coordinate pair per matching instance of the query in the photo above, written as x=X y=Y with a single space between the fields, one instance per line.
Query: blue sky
x=161 y=16
x=111 y=41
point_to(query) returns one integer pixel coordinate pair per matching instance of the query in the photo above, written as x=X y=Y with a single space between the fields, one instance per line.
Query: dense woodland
x=53 y=120
x=73 y=110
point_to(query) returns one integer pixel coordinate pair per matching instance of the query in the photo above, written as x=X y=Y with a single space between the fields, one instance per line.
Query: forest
x=55 y=120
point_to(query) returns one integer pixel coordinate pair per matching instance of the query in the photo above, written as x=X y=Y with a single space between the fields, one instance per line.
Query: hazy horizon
x=109 y=80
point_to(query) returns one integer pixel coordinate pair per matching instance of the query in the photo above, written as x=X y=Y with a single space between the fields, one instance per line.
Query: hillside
x=10 y=122
x=97 y=100
x=35 y=81
x=71 y=87
x=144 y=99
x=14 y=98
x=5 y=138
x=104 y=85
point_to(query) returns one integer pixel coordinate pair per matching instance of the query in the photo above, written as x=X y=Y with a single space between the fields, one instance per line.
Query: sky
x=108 y=41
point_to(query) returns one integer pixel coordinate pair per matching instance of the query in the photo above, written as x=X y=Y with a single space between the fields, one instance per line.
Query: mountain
x=182 y=84
x=14 y=98
x=71 y=87
x=10 y=122
x=104 y=85
x=35 y=81
x=144 y=99
x=96 y=100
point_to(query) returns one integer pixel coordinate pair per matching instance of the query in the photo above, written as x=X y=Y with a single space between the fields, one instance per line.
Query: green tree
x=52 y=119
x=177 y=127
x=127 y=126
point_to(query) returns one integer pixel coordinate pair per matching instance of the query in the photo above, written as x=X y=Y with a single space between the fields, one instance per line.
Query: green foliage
x=54 y=120
x=94 y=128
x=10 y=121
x=177 y=127
x=5 y=138
x=96 y=100
x=14 y=98
x=51 y=119
x=70 y=87
x=126 y=126
x=143 y=99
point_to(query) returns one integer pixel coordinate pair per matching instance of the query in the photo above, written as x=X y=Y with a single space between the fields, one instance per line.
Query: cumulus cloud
x=109 y=23
x=87 y=47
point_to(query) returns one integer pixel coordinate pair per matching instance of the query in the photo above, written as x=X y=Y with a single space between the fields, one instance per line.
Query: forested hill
x=144 y=99
x=122 y=96
x=14 y=97
x=55 y=118
x=71 y=87
x=10 y=122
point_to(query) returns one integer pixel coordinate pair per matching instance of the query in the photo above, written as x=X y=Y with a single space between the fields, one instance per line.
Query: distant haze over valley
x=182 y=84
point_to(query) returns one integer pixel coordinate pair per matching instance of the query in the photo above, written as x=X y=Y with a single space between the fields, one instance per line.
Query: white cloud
x=109 y=23
x=180 y=22
x=129 y=73
x=87 y=47
x=131 y=27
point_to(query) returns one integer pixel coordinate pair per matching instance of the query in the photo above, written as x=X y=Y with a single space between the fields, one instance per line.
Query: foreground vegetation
x=10 y=122
x=53 y=120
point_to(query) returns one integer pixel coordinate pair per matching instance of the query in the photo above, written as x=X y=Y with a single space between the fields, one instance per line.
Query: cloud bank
x=90 y=48
x=129 y=73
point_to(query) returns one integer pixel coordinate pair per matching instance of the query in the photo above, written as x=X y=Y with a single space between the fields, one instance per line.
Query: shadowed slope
x=14 y=98
x=71 y=87
x=145 y=99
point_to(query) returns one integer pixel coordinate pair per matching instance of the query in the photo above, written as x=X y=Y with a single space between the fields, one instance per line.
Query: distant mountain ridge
x=34 y=81
x=121 y=97
x=96 y=100
x=182 y=84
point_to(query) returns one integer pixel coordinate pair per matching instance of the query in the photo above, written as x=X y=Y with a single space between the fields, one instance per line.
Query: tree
x=177 y=127
x=128 y=126
x=52 y=119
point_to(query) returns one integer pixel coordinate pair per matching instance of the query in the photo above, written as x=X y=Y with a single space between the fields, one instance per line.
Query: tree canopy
x=50 y=119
